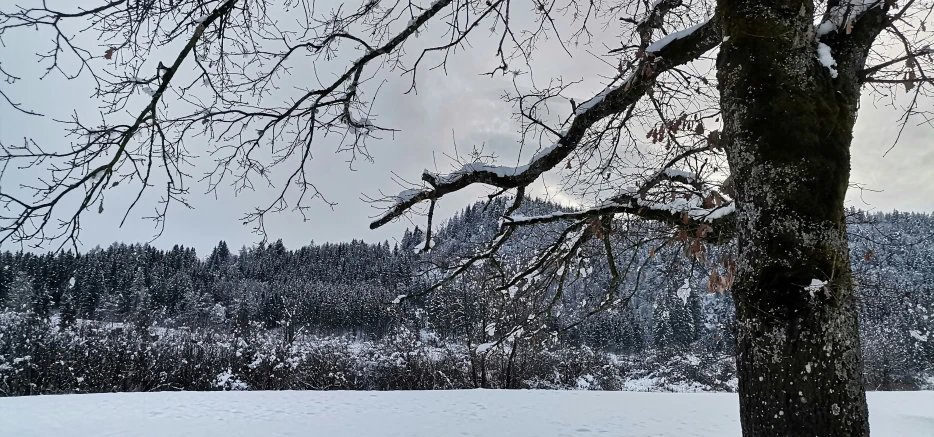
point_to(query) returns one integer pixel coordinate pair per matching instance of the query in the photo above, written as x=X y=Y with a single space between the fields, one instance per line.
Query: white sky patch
x=554 y=193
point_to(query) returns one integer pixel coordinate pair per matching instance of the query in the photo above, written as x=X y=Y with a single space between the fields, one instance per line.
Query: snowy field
x=413 y=413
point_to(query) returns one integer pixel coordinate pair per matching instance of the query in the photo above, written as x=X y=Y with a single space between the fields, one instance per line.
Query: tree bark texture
x=787 y=129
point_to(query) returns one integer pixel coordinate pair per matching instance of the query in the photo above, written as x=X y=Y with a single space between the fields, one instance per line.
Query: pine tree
x=662 y=332
x=6 y=277
x=141 y=313
x=21 y=294
x=68 y=311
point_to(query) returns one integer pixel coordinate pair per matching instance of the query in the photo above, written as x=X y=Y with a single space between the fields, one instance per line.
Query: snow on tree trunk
x=788 y=126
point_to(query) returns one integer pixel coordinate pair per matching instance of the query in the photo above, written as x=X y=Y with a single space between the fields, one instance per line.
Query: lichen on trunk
x=787 y=129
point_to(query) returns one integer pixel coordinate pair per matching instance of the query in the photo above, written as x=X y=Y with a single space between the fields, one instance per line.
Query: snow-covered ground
x=415 y=413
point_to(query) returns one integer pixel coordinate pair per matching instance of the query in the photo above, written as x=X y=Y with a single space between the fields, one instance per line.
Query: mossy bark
x=787 y=129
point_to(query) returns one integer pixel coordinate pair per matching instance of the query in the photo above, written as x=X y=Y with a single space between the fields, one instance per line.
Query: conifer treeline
x=346 y=288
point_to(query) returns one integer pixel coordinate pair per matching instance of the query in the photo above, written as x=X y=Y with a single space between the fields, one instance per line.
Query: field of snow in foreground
x=415 y=413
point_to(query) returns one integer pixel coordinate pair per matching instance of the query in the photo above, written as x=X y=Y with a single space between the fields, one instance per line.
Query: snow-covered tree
x=20 y=294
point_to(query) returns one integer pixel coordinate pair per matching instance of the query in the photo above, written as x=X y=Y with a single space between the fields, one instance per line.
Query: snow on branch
x=478 y=166
x=584 y=107
x=612 y=100
x=675 y=173
x=844 y=14
x=680 y=211
x=659 y=45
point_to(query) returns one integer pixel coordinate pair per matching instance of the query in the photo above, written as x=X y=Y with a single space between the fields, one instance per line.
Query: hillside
x=326 y=309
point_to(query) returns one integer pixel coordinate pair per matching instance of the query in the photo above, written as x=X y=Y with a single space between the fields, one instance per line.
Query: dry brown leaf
x=696 y=248
x=686 y=251
x=109 y=53
x=682 y=235
x=596 y=227
x=649 y=69
x=713 y=282
x=868 y=256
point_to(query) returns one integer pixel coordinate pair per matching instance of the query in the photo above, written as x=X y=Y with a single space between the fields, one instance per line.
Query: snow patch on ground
x=487 y=413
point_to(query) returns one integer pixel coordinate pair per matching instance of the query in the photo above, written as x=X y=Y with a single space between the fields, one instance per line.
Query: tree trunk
x=787 y=131
x=510 y=365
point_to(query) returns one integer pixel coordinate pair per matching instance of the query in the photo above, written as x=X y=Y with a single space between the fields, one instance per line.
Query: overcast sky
x=461 y=105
